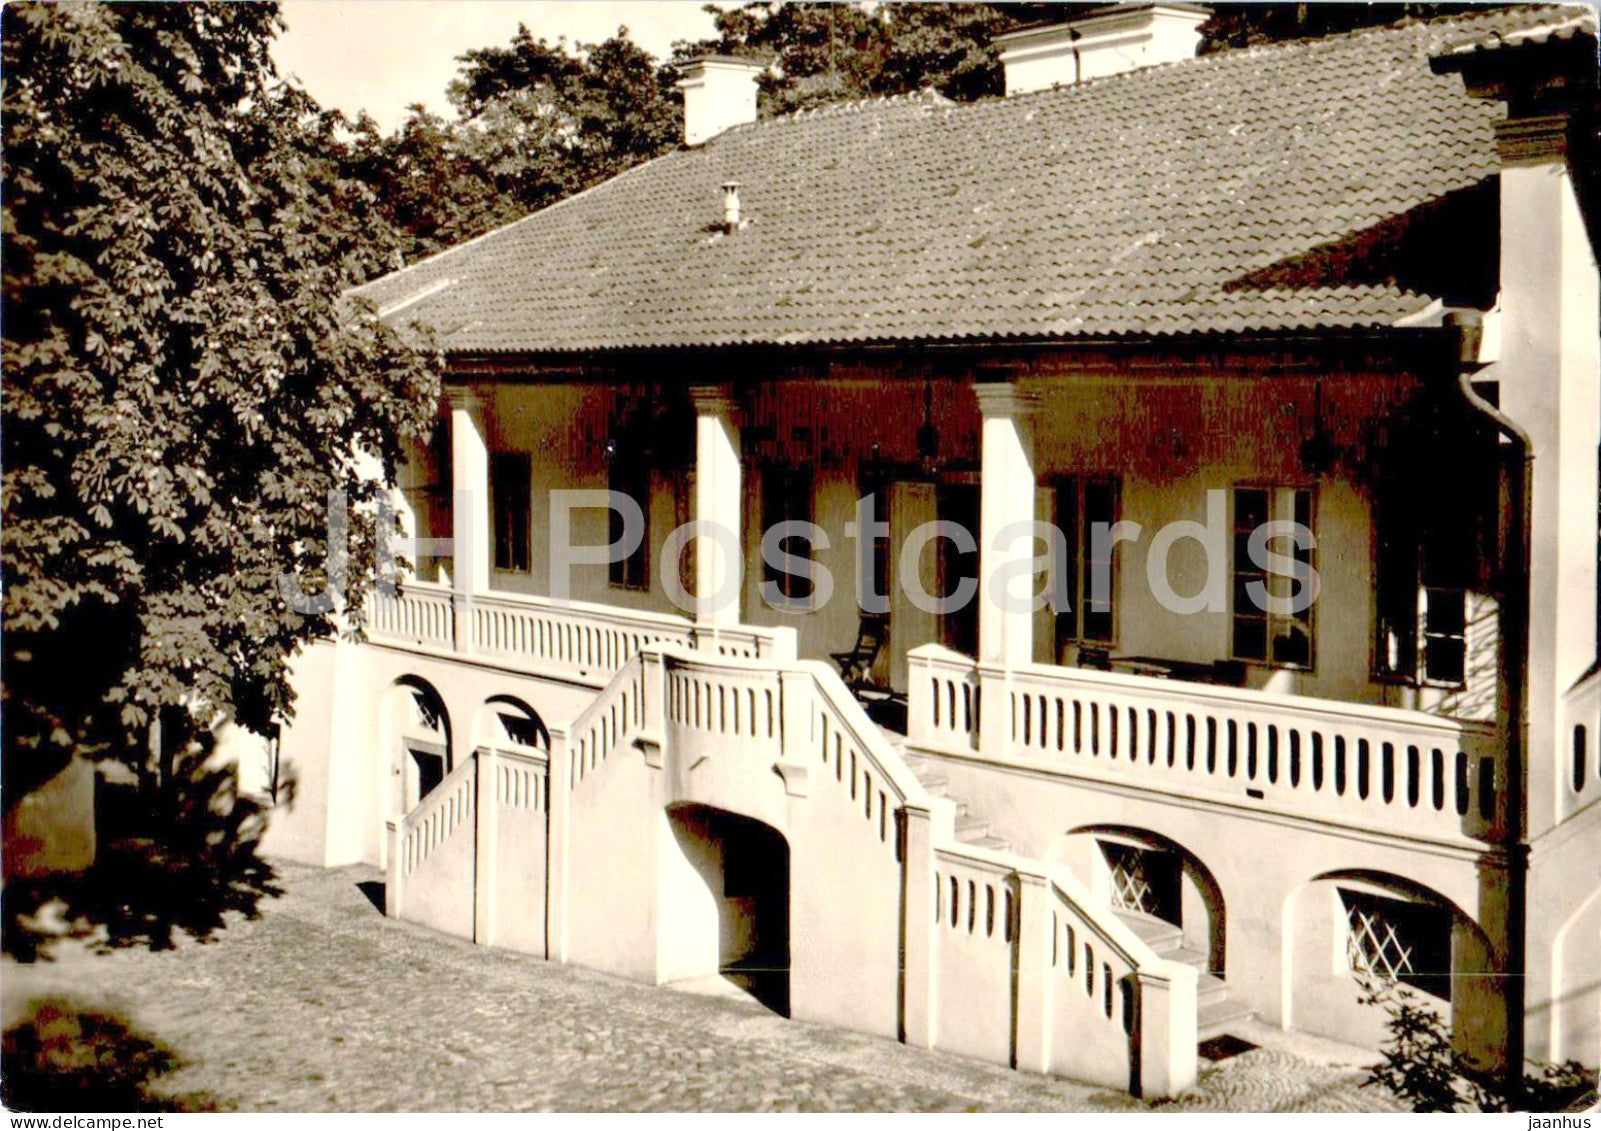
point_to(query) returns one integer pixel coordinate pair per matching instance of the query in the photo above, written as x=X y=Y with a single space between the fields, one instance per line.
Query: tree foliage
x=184 y=386
x=534 y=122
x=825 y=52
x=1423 y=1067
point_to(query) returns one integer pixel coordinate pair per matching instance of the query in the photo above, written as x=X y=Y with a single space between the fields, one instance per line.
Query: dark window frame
x=629 y=475
x=511 y=491
x=1422 y=930
x=1274 y=495
x=1402 y=584
x=789 y=494
x=1075 y=518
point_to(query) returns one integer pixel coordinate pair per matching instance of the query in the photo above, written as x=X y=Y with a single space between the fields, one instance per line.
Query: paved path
x=322 y=1004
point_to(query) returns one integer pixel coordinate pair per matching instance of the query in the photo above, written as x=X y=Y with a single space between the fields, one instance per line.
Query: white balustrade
x=420 y=615
x=576 y=640
x=1359 y=765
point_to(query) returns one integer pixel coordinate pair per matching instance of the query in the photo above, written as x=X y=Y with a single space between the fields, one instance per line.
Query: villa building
x=1346 y=283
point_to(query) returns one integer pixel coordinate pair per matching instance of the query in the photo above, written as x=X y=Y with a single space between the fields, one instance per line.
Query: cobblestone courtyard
x=322 y=1004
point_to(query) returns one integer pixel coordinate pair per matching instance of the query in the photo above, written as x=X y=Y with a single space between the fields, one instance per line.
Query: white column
x=1005 y=634
x=1550 y=376
x=717 y=502
x=471 y=551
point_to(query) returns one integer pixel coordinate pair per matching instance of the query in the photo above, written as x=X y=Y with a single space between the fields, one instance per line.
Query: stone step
x=1210 y=990
x=1158 y=934
x=932 y=778
x=969 y=826
x=993 y=843
x=1217 y=1017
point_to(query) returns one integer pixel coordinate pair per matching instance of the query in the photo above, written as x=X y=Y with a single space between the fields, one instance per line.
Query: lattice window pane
x=1392 y=940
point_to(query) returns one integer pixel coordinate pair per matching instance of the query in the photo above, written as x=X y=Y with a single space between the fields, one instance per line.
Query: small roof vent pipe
x=731 y=206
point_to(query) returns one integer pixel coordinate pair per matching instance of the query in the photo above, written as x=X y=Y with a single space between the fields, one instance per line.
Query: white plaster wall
x=344 y=752
x=974 y=958
x=520 y=875
x=1036 y=812
x=1564 y=952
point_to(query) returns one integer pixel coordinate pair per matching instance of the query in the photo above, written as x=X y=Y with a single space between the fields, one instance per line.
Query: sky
x=383 y=55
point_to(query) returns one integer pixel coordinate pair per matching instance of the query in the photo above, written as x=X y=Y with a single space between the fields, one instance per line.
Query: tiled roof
x=1157 y=202
x=1562 y=24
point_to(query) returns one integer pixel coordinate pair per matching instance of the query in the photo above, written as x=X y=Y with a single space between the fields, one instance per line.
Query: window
x=627 y=474
x=1445 y=647
x=1082 y=507
x=787 y=497
x=510 y=474
x=1420 y=599
x=1280 y=639
x=1396 y=573
x=1395 y=940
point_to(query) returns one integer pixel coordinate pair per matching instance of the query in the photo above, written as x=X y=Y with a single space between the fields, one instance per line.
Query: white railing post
x=461 y=622
x=484 y=844
x=1165 y=1029
x=918 y=1021
x=995 y=728
x=1034 y=982
x=396 y=869
x=560 y=812
x=782 y=647
x=653 y=707
x=919 y=699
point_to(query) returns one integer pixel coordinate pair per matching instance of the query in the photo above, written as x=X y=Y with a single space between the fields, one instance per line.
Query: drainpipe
x=1518 y=468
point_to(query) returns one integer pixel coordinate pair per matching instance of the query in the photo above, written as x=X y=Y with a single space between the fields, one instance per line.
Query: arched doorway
x=723 y=912
x=1153 y=883
x=419 y=738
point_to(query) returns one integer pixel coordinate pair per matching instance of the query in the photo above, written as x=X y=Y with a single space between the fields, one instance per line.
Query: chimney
x=1104 y=41
x=719 y=93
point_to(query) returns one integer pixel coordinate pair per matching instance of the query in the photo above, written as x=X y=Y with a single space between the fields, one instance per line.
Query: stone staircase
x=1216 y=1013
x=971 y=828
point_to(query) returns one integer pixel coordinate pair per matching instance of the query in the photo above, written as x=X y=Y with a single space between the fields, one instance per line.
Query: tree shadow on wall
x=61 y=1058
x=172 y=861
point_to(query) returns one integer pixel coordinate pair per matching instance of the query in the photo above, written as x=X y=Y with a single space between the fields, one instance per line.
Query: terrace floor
x=320 y=1003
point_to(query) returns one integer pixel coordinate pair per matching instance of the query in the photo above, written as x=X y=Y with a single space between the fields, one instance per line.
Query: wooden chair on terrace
x=856 y=665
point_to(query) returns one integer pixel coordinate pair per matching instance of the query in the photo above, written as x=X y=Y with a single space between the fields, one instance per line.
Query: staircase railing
x=1092 y=1000
x=443 y=818
x=972 y=919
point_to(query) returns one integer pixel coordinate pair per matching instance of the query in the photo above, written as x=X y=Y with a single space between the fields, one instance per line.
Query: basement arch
x=1576 y=986
x=506 y=720
x=723 y=892
x=1348 y=932
x=1146 y=875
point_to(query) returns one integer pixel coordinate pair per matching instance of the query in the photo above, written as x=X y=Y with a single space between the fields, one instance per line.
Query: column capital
x=1004 y=398
x=1532 y=141
x=712 y=400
